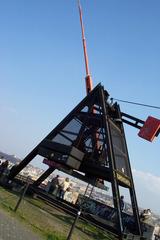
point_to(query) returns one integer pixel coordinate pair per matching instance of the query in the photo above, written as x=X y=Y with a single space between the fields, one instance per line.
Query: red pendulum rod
x=88 y=79
x=89 y=83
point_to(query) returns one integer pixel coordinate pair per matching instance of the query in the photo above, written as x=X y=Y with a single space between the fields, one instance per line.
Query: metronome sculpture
x=91 y=140
x=72 y=144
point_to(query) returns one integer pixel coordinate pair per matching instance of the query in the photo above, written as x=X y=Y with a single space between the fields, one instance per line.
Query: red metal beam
x=89 y=83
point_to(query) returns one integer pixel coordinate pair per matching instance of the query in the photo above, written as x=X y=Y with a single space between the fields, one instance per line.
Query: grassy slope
x=50 y=223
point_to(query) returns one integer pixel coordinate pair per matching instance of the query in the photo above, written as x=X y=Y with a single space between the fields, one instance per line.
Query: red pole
x=89 y=83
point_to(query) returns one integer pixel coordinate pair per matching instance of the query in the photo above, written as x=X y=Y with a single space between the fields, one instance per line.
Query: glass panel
x=119 y=148
x=73 y=126
x=62 y=140
x=85 y=109
x=72 y=137
x=67 y=137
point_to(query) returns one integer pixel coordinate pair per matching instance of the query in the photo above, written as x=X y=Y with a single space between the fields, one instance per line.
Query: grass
x=48 y=222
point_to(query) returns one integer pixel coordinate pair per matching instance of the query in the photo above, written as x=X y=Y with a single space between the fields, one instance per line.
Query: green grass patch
x=48 y=222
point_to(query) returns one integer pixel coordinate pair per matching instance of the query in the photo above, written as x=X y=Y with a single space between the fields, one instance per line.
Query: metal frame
x=94 y=140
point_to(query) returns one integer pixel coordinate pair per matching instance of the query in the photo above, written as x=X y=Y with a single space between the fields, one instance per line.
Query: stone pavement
x=11 y=229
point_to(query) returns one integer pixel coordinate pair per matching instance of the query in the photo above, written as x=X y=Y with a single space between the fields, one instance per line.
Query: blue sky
x=42 y=70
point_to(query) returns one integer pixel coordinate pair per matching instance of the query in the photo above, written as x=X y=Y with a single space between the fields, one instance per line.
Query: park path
x=11 y=229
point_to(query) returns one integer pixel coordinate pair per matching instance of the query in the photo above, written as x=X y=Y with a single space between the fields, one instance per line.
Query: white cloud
x=147 y=188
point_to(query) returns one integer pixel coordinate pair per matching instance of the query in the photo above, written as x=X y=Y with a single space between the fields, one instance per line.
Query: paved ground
x=11 y=229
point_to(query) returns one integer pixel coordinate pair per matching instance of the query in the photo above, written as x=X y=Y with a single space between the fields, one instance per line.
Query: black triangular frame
x=100 y=126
